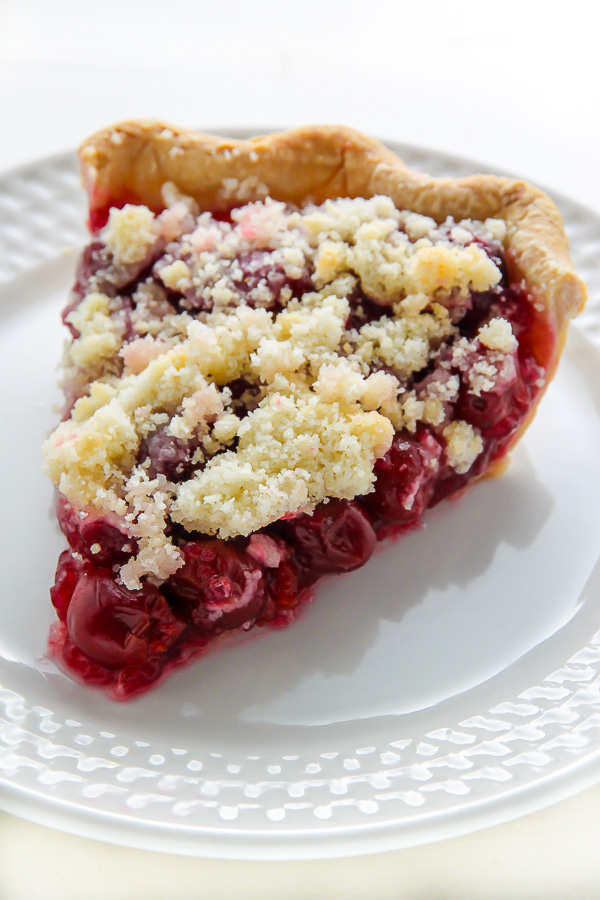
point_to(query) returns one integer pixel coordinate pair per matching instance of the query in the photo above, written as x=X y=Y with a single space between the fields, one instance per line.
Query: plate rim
x=367 y=837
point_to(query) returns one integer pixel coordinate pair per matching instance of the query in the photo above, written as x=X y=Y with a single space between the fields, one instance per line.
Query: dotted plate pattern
x=42 y=213
x=322 y=800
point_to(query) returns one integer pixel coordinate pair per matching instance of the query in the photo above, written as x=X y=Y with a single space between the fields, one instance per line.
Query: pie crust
x=132 y=160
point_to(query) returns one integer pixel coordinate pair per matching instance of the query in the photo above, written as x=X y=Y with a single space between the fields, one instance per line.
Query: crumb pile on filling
x=225 y=374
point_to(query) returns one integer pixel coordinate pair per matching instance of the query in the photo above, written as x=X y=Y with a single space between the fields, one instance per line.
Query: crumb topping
x=276 y=353
x=292 y=452
x=498 y=335
x=130 y=232
x=464 y=445
x=99 y=338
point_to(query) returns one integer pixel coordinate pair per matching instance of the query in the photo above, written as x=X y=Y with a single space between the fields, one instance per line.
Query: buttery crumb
x=498 y=335
x=130 y=232
x=463 y=445
x=176 y=275
x=293 y=452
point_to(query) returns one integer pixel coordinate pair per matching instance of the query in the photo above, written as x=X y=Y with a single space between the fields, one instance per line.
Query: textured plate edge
x=310 y=845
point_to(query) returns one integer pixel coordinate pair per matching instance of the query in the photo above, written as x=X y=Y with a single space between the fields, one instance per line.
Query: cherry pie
x=282 y=350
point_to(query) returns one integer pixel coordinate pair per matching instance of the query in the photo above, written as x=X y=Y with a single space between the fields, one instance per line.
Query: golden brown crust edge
x=320 y=162
x=132 y=160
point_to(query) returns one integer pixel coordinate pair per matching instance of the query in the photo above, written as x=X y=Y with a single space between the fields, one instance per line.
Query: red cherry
x=218 y=588
x=497 y=413
x=134 y=679
x=337 y=537
x=283 y=585
x=168 y=455
x=117 y=627
x=68 y=572
x=405 y=479
x=85 y=530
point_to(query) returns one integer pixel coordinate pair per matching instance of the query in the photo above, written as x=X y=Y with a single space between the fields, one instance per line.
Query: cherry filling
x=257 y=267
x=116 y=627
x=101 y=205
x=97 y=538
x=337 y=537
x=169 y=456
x=218 y=588
x=126 y=640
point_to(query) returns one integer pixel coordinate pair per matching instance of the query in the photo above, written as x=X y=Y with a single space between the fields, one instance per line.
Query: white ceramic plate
x=452 y=683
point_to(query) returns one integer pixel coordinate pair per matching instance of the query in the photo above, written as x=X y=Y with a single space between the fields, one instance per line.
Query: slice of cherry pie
x=282 y=350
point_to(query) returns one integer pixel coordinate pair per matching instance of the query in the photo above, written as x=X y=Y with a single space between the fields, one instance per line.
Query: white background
x=514 y=85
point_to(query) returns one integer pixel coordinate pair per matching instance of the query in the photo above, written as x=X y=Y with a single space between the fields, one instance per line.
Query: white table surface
x=515 y=86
